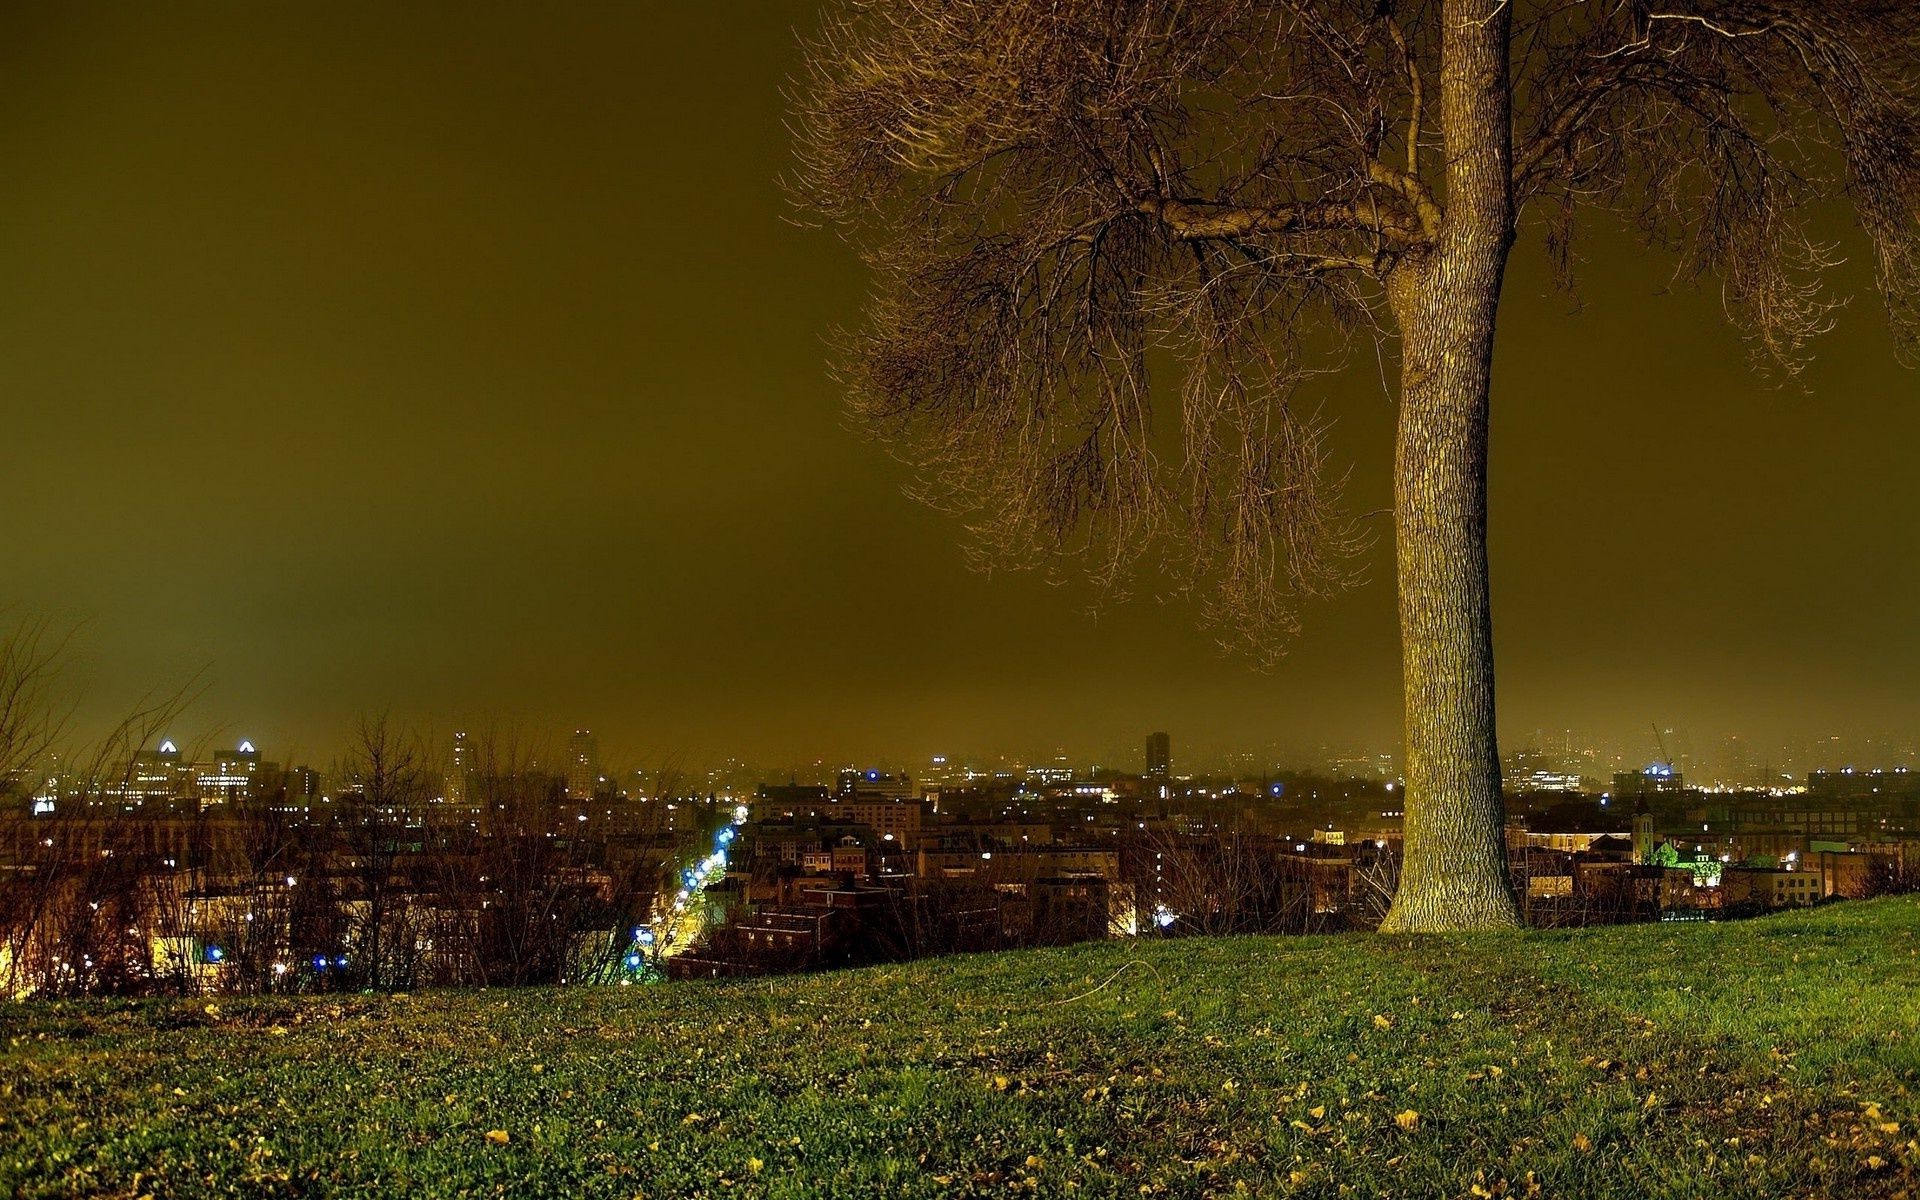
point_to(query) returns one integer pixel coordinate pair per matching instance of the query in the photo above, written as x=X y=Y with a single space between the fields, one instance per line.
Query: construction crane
x=1666 y=760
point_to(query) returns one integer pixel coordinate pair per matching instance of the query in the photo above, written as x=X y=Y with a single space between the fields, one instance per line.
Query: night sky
x=466 y=363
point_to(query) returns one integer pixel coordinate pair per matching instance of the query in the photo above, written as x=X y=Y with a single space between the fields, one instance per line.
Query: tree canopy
x=1067 y=203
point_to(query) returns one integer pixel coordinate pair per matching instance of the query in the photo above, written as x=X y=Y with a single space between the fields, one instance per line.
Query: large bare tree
x=1060 y=198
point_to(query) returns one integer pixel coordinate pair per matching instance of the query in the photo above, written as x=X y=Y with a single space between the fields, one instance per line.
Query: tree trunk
x=1454 y=870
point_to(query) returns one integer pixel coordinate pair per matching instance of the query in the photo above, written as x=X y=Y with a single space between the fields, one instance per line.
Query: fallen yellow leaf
x=499 y=1137
x=1407 y=1120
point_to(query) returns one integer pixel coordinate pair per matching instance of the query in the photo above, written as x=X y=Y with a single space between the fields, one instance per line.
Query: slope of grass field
x=1767 y=1058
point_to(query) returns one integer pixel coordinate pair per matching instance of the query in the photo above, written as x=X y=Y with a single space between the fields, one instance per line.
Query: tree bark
x=1454 y=868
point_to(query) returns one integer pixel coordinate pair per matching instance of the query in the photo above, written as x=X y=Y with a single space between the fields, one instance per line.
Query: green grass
x=1766 y=1058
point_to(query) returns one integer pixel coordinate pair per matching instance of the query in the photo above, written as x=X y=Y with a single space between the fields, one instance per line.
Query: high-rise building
x=1537 y=771
x=300 y=788
x=458 y=768
x=1159 y=756
x=153 y=776
x=583 y=765
x=230 y=776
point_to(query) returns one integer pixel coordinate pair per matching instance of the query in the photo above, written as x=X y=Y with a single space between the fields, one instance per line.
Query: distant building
x=153 y=775
x=1642 y=832
x=1362 y=766
x=1159 y=756
x=1535 y=771
x=1770 y=887
x=895 y=820
x=1571 y=841
x=1850 y=874
x=300 y=788
x=457 y=771
x=1811 y=814
x=1613 y=891
x=1876 y=785
x=583 y=765
x=787 y=799
x=1655 y=779
x=1067 y=909
x=872 y=782
x=229 y=777
x=1019 y=864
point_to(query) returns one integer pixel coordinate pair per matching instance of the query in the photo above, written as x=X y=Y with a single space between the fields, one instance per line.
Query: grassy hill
x=1772 y=1057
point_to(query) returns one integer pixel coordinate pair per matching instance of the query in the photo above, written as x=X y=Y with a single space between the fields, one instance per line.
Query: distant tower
x=1642 y=832
x=457 y=773
x=157 y=775
x=583 y=765
x=1159 y=756
x=229 y=777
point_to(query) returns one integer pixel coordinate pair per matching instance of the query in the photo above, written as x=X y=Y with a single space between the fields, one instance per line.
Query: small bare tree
x=31 y=717
x=77 y=912
x=378 y=817
x=1231 y=880
x=1055 y=196
x=255 y=930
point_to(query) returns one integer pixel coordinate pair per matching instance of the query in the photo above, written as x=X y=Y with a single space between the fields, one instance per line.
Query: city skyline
x=1565 y=757
x=544 y=490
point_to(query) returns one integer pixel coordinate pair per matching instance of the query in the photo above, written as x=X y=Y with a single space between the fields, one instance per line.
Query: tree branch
x=1206 y=220
x=1414 y=191
x=1571 y=117
x=1418 y=95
